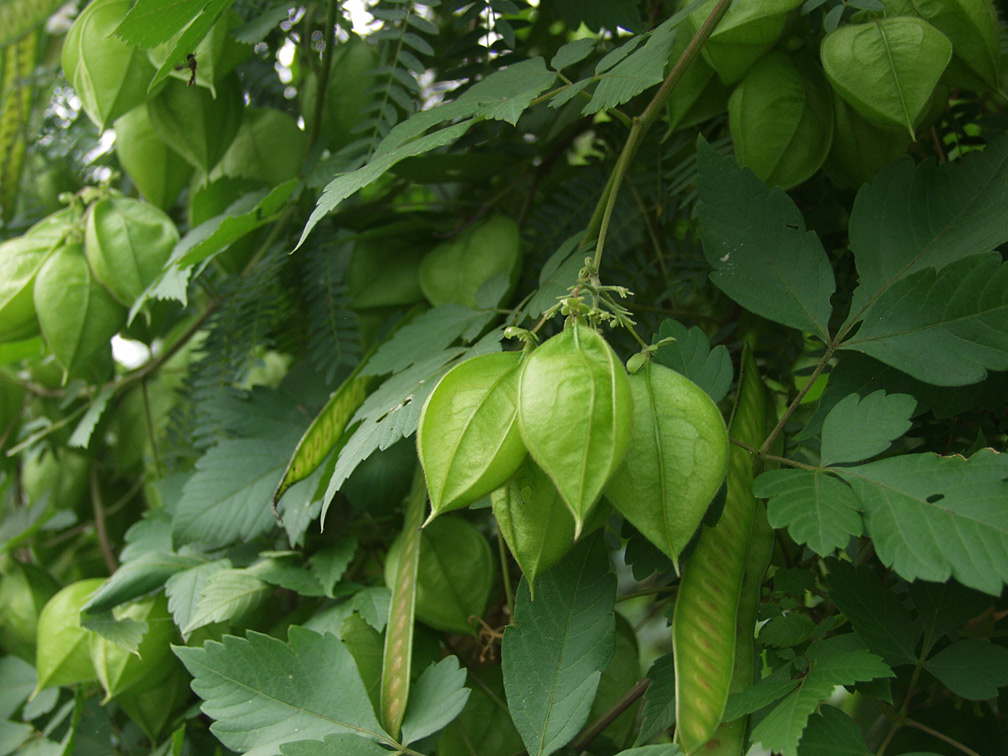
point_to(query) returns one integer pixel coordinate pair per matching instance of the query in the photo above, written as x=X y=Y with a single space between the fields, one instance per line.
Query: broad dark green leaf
x=658 y=708
x=972 y=668
x=755 y=239
x=786 y=630
x=763 y=693
x=943 y=608
x=691 y=354
x=947 y=327
x=334 y=745
x=641 y=69
x=554 y=654
x=859 y=428
x=817 y=509
x=435 y=700
x=875 y=612
x=263 y=692
x=913 y=217
x=228 y=497
x=831 y=732
x=832 y=663
x=931 y=517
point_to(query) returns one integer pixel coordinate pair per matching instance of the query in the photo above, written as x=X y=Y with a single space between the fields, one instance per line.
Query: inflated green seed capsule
x=887 y=68
x=127 y=243
x=575 y=413
x=676 y=461
x=194 y=124
x=110 y=76
x=781 y=119
x=748 y=31
x=24 y=590
x=860 y=149
x=77 y=315
x=454 y=271
x=534 y=521
x=158 y=171
x=467 y=437
x=21 y=258
x=63 y=656
x=119 y=670
x=268 y=148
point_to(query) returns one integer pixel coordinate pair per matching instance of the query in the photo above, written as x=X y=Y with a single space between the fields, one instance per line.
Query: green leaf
x=190 y=37
x=943 y=608
x=662 y=749
x=755 y=239
x=859 y=428
x=185 y=588
x=263 y=692
x=426 y=334
x=81 y=436
x=435 y=700
x=887 y=68
x=281 y=573
x=334 y=745
x=913 y=217
x=228 y=498
x=227 y=594
x=641 y=69
x=831 y=732
x=503 y=95
x=554 y=654
x=786 y=630
x=931 y=517
x=691 y=354
x=832 y=664
x=658 y=708
x=971 y=668
x=596 y=14
x=146 y=573
x=875 y=612
x=572 y=52
x=815 y=507
x=330 y=562
x=210 y=238
x=763 y=693
x=151 y=22
x=947 y=328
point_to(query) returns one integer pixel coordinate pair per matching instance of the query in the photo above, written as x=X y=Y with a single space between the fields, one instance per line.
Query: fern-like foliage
x=239 y=331
x=331 y=328
x=403 y=34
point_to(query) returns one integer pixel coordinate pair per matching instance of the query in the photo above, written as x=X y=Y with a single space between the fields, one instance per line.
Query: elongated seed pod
x=707 y=607
x=395 y=681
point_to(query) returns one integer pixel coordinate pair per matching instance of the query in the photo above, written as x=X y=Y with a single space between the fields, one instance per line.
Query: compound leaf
x=642 y=68
x=926 y=216
x=859 y=428
x=971 y=668
x=263 y=692
x=931 y=517
x=875 y=612
x=947 y=327
x=818 y=509
x=833 y=663
x=554 y=654
x=755 y=239
x=436 y=699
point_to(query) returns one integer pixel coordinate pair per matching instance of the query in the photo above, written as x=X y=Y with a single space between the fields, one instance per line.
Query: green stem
x=603 y=210
x=772 y=457
x=627 y=700
x=100 y=528
x=150 y=429
x=506 y=575
x=323 y=79
x=796 y=402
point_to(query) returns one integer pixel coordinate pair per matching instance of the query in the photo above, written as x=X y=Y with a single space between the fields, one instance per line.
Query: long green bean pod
x=706 y=618
x=398 y=655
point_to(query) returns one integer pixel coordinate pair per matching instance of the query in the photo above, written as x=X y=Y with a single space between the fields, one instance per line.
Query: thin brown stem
x=100 y=527
x=796 y=402
x=627 y=700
